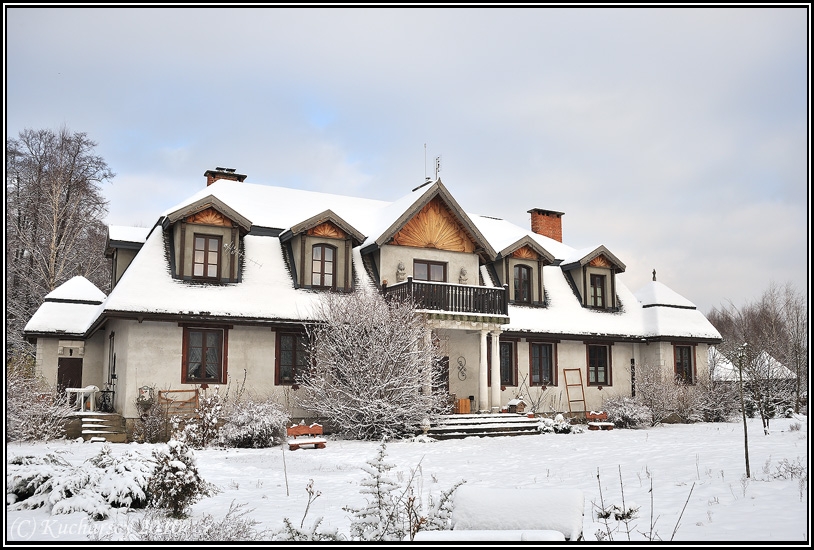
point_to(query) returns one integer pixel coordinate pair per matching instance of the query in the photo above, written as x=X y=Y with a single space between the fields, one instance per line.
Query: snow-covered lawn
x=702 y=462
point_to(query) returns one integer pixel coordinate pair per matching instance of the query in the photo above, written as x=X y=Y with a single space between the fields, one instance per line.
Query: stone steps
x=99 y=426
x=459 y=426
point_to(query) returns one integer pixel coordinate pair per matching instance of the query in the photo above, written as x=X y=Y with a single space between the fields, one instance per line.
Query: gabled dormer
x=319 y=252
x=593 y=275
x=205 y=241
x=520 y=266
x=427 y=236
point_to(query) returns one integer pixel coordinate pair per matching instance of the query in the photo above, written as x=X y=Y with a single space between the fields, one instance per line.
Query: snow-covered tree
x=254 y=423
x=54 y=228
x=773 y=330
x=176 y=484
x=373 y=370
x=35 y=411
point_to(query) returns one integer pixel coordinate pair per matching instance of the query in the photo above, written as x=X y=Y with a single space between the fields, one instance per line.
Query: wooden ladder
x=574 y=390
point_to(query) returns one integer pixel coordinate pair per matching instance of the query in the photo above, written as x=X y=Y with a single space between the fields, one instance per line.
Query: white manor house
x=221 y=286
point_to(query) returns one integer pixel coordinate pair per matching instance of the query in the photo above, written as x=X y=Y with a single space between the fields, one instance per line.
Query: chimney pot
x=221 y=173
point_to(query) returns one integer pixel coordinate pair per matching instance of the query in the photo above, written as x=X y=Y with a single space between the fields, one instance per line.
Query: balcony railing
x=480 y=300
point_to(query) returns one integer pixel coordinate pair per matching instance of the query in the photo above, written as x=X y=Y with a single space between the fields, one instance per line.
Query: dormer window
x=206 y=258
x=522 y=284
x=597 y=296
x=323 y=266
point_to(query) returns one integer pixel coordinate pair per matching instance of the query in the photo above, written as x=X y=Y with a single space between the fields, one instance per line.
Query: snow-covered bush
x=153 y=424
x=626 y=412
x=176 y=484
x=556 y=425
x=94 y=487
x=201 y=430
x=155 y=526
x=35 y=411
x=372 y=371
x=254 y=424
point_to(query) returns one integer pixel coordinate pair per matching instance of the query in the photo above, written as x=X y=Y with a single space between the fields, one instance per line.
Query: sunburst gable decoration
x=600 y=261
x=210 y=216
x=327 y=229
x=525 y=253
x=434 y=227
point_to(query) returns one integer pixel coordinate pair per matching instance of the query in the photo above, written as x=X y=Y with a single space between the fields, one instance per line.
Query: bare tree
x=774 y=329
x=54 y=212
x=373 y=370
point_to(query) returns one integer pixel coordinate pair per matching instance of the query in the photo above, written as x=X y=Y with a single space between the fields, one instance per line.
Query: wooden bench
x=301 y=429
x=598 y=421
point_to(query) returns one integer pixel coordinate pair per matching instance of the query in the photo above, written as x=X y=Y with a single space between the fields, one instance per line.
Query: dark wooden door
x=69 y=374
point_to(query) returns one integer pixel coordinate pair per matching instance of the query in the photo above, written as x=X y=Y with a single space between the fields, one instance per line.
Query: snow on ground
x=702 y=462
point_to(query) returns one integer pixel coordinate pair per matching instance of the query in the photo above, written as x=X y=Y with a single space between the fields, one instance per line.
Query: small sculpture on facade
x=462 y=279
x=401 y=273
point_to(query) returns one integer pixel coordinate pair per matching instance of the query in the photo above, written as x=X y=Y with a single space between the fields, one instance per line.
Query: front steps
x=99 y=426
x=459 y=426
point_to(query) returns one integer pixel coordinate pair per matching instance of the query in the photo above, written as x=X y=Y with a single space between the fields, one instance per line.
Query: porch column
x=496 y=369
x=483 y=376
x=426 y=388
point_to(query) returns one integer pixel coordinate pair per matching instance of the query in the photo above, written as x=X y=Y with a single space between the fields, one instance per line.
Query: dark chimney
x=221 y=173
x=547 y=223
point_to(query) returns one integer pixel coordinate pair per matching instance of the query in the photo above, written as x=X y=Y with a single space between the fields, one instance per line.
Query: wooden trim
x=183 y=249
x=348 y=283
x=233 y=254
x=434 y=226
x=302 y=260
x=540 y=290
x=613 y=287
x=585 y=301
x=219 y=249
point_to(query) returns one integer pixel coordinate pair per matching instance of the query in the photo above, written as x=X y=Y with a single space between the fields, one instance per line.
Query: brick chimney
x=221 y=173
x=547 y=223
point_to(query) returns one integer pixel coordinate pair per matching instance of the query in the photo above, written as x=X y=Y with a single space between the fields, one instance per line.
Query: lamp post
x=741 y=352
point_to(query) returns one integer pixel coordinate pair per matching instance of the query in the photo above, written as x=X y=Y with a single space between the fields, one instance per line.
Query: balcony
x=446 y=297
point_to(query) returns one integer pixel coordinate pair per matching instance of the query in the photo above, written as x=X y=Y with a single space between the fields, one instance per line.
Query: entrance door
x=69 y=374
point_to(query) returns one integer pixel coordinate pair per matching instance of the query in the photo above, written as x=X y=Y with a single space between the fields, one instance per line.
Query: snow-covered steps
x=458 y=426
x=99 y=426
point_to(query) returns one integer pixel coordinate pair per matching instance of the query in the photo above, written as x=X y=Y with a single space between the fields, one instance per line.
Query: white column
x=427 y=387
x=495 y=369
x=483 y=375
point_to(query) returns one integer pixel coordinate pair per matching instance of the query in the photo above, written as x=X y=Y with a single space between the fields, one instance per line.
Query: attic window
x=597 y=296
x=206 y=259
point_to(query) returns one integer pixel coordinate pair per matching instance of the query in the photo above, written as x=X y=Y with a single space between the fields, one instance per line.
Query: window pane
x=195 y=339
x=506 y=364
x=212 y=271
x=199 y=256
x=437 y=273
x=535 y=364
x=329 y=280
x=212 y=258
x=329 y=254
x=199 y=243
x=315 y=279
x=213 y=244
x=317 y=253
x=420 y=271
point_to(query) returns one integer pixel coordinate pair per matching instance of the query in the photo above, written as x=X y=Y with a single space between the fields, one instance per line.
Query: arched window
x=522 y=283
x=323 y=266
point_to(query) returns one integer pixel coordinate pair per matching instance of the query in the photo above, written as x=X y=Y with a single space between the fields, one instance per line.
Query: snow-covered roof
x=76 y=289
x=762 y=367
x=127 y=234
x=267 y=292
x=69 y=309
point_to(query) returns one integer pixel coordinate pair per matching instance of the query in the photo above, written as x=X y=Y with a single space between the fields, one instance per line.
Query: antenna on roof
x=437 y=165
x=426 y=177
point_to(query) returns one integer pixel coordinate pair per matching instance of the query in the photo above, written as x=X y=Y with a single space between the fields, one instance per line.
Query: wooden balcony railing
x=480 y=300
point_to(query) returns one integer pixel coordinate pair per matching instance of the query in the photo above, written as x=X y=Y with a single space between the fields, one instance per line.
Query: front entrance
x=69 y=374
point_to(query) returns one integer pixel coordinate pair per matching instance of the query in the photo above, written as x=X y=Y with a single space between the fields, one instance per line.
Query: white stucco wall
x=390 y=256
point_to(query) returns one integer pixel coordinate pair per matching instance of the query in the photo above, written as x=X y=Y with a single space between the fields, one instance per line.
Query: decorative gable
x=210 y=216
x=327 y=230
x=525 y=253
x=434 y=226
x=600 y=261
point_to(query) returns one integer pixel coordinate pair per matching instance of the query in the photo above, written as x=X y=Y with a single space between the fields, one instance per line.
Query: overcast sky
x=677 y=138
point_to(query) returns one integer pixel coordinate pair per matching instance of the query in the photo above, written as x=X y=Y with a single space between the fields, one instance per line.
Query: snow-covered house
x=219 y=288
